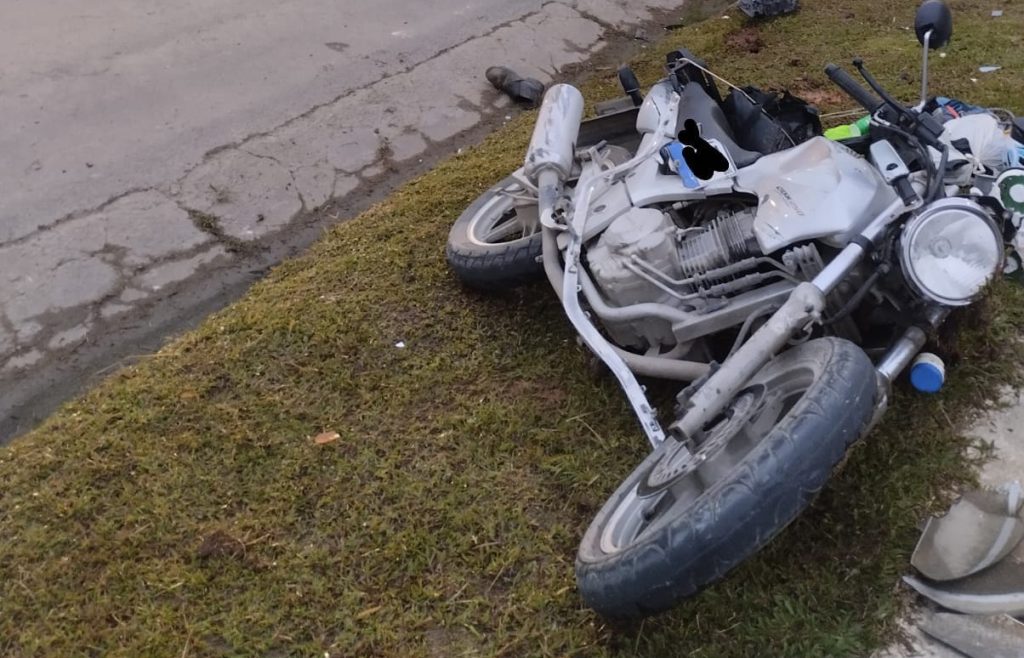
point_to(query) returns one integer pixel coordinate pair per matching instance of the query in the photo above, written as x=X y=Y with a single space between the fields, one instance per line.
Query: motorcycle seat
x=694 y=103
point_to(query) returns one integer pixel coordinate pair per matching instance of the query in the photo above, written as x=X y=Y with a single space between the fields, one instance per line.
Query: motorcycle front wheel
x=685 y=517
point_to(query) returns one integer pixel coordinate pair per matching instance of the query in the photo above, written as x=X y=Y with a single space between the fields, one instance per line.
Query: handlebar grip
x=847 y=83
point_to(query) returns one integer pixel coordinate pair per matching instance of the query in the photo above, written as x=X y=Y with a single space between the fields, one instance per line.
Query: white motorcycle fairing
x=819 y=190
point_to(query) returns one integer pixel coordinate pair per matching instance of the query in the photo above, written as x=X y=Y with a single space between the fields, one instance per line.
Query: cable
x=854 y=301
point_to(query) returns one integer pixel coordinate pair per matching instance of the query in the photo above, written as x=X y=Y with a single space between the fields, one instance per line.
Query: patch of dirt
x=746 y=40
x=220 y=544
x=524 y=387
x=444 y=642
x=818 y=94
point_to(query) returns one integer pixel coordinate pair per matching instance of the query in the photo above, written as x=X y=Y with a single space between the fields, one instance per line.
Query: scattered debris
x=972 y=559
x=996 y=13
x=326 y=437
x=1010 y=185
x=989 y=69
x=762 y=8
x=520 y=89
x=1008 y=188
x=996 y=590
x=400 y=344
x=978 y=531
x=997 y=636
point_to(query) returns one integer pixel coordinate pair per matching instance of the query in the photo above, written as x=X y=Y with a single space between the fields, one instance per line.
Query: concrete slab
x=999 y=636
x=158 y=157
x=248 y=196
x=144 y=226
x=1003 y=429
x=99 y=96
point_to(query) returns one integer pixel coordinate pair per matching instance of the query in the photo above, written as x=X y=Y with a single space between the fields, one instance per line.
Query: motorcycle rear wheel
x=496 y=243
x=679 y=523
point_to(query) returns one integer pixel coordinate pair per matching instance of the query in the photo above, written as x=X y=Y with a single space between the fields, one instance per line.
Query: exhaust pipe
x=549 y=158
x=553 y=144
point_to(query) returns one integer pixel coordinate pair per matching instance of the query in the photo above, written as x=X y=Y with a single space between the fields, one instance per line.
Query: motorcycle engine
x=643 y=254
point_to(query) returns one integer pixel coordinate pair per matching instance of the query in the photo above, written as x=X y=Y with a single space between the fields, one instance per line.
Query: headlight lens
x=950 y=251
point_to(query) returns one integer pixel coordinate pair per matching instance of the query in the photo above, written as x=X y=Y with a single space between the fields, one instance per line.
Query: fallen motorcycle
x=786 y=277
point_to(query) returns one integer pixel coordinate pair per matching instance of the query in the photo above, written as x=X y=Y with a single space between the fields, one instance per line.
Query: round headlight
x=950 y=251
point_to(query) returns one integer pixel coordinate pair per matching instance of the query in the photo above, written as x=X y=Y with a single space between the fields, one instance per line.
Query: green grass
x=182 y=509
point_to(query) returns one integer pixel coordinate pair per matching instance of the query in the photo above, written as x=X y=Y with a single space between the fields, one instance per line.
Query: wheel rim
x=510 y=214
x=682 y=473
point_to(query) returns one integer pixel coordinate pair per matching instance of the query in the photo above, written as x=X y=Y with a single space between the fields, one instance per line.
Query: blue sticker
x=675 y=151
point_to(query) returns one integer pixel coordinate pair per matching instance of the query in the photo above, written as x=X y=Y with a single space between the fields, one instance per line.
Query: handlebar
x=920 y=128
x=847 y=83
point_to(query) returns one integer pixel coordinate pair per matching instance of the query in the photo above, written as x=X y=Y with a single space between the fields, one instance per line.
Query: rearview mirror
x=933 y=16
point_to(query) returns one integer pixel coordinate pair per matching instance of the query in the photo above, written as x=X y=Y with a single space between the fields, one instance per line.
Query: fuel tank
x=817 y=190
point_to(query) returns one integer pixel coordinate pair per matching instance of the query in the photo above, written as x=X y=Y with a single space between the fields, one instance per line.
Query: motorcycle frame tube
x=642 y=407
x=661 y=367
x=590 y=178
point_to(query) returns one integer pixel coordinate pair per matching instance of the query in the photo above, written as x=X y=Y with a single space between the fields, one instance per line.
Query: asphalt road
x=156 y=157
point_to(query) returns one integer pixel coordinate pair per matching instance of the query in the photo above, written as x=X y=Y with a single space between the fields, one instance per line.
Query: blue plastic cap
x=926 y=377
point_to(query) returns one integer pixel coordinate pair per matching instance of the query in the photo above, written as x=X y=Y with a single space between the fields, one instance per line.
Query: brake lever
x=879 y=89
x=924 y=126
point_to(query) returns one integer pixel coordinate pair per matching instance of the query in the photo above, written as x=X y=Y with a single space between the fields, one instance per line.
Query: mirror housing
x=934 y=16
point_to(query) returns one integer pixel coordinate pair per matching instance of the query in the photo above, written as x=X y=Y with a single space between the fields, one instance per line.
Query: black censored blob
x=703 y=158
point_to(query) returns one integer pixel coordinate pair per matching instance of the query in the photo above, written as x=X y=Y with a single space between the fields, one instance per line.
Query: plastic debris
x=400 y=344
x=1008 y=188
x=997 y=590
x=1010 y=184
x=972 y=558
x=952 y=108
x=988 y=69
x=520 y=89
x=762 y=8
x=996 y=13
x=855 y=129
x=928 y=374
x=996 y=636
x=985 y=140
x=979 y=530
